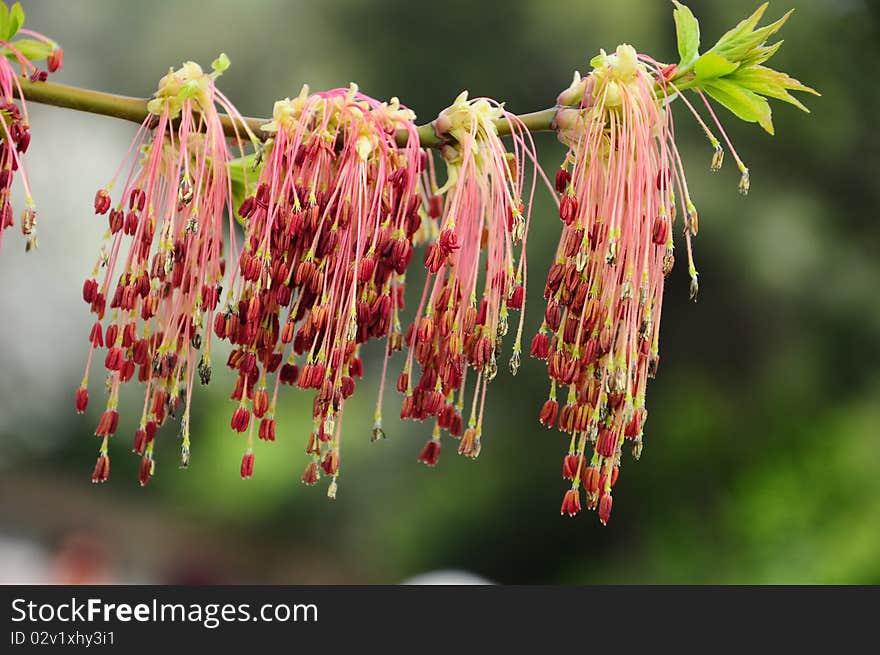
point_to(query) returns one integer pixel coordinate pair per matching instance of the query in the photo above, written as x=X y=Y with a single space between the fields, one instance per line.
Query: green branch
x=135 y=110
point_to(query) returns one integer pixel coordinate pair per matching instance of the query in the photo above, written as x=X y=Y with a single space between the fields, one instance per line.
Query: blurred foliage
x=761 y=459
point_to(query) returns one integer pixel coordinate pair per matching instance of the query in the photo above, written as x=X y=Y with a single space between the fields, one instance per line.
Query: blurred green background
x=761 y=462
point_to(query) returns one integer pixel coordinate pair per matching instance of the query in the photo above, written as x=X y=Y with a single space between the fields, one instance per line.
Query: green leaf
x=745 y=104
x=688 y=30
x=4 y=20
x=16 y=20
x=774 y=84
x=30 y=49
x=712 y=65
x=743 y=39
x=760 y=55
x=742 y=29
x=221 y=63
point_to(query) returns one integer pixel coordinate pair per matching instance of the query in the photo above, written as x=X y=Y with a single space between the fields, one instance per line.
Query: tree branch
x=135 y=110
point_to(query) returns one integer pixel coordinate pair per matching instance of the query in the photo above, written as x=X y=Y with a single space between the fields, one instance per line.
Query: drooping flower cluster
x=620 y=185
x=476 y=271
x=329 y=233
x=162 y=261
x=15 y=136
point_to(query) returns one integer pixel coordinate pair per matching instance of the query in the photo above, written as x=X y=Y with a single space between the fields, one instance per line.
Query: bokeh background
x=761 y=462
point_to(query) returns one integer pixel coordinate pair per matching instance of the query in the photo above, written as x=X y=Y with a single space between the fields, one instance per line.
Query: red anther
x=55 y=60
x=82 y=400
x=140 y=441
x=288 y=374
x=435 y=206
x=605 y=508
x=151 y=427
x=448 y=242
x=430 y=453
x=570 y=464
x=330 y=464
x=240 y=419
x=346 y=386
x=590 y=476
x=102 y=201
x=108 y=423
x=267 y=429
x=517 y=297
x=426 y=330
x=261 y=402
x=607 y=443
x=102 y=469
x=568 y=207
x=114 y=359
x=634 y=427
x=481 y=313
x=247 y=465
x=146 y=470
x=660 y=233
x=571 y=502
x=540 y=346
x=255 y=310
x=434 y=258
x=553 y=315
x=407 y=406
x=96 y=336
x=247 y=207
x=356 y=367
x=127 y=371
x=116 y=220
x=549 y=413
x=310 y=475
x=563 y=177
x=220 y=325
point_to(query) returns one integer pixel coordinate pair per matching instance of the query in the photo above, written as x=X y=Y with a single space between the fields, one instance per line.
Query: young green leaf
x=711 y=65
x=220 y=64
x=30 y=49
x=742 y=29
x=774 y=84
x=4 y=19
x=688 y=30
x=747 y=105
x=16 y=20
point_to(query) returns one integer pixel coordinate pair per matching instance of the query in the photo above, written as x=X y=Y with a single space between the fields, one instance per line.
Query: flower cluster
x=619 y=185
x=344 y=193
x=476 y=271
x=328 y=236
x=15 y=136
x=162 y=261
